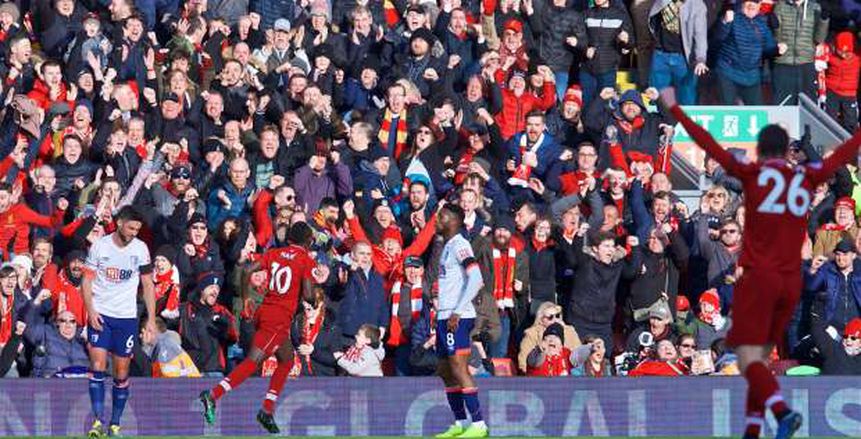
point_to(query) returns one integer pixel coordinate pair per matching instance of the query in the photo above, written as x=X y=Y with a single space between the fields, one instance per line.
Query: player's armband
x=469 y=262
x=146 y=269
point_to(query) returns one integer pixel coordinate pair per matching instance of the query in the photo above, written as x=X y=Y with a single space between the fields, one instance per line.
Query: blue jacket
x=217 y=212
x=841 y=295
x=271 y=10
x=744 y=43
x=364 y=302
x=548 y=153
x=53 y=352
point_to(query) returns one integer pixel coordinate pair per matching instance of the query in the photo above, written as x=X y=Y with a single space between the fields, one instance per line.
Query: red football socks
x=276 y=384
x=753 y=417
x=241 y=373
x=764 y=389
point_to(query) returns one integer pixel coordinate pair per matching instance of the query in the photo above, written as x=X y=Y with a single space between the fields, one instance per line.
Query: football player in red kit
x=777 y=201
x=290 y=271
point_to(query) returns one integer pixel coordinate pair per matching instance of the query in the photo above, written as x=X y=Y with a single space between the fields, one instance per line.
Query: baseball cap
x=660 y=312
x=413 y=261
x=171 y=96
x=845 y=245
x=282 y=25
x=180 y=171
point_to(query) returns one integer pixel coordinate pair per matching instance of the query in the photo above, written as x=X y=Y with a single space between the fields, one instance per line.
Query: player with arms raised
x=115 y=266
x=290 y=271
x=777 y=201
x=459 y=283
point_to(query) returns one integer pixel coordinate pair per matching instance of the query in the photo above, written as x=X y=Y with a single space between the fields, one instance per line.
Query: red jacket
x=15 y=227
x=512 y=118
x=392 y=268
x=841 y=77
x=66 y=296
x=659 y=368
x=262 y=220
x=556 y=366
x=42 y=95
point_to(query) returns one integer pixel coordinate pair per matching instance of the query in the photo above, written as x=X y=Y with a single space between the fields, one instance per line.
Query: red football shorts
x=762 y=306
x=272 y=329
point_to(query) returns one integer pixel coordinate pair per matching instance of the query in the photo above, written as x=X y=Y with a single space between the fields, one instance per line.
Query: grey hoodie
x=369 y=364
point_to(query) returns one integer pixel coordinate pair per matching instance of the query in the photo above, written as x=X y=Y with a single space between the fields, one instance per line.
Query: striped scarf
x=503 y=278
x=309 y=336
x=402 y=131
x=397 y=337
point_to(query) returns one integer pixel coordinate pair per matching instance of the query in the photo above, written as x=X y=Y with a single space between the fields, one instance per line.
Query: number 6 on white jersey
x=797 y=197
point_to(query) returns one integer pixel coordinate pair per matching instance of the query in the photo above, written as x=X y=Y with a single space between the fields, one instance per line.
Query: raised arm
x=847 y=152
x=702 y=137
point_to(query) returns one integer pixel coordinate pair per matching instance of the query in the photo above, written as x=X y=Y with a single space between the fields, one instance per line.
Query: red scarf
x=629 y=127
x=353 y=354
x=462 y=169
x=6 y=310
x=397 y=336
x=309 y=336
x=503 y=277
x=391 y=14
x=554 y=365
x=401 y=132
x=167 y=284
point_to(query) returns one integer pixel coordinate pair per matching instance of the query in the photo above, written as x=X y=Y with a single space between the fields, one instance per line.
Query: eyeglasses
x=688 y=345
x=184 y=174
x=553 y=316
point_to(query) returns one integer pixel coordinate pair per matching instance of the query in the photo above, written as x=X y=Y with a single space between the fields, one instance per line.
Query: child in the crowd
x=365 y=357
x=841 y=79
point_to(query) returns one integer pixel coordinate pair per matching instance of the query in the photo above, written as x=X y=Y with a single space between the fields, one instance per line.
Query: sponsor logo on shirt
x=114 y=274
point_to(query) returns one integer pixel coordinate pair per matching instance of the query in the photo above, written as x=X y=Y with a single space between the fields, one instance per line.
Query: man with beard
x=510 y=284
x=634 y=127
x=418 y=65
x=66 y=287
x=532 y=153
x=179 y=188
x=415 y=217
x=328 y=237
x=207 y=115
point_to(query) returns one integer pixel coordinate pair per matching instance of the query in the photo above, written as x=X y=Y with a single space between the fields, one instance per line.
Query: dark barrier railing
x=707 y=406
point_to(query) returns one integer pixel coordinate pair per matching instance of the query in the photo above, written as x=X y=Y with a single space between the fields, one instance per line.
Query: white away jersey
x=117 y=276
x=456 y=257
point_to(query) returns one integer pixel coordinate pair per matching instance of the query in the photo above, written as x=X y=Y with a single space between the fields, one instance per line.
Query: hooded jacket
x=841 y=77
x=801 y=27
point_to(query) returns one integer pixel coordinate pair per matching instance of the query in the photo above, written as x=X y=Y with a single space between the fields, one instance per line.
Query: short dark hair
x=456 y=210
x=597 y=238
x=328 y=202
x=536 y=113
x=129 y=213
x=7 y=271
x=300 y=233
x=772 y=141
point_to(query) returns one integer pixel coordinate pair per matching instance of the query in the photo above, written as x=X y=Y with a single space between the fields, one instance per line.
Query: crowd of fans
x=225 y=121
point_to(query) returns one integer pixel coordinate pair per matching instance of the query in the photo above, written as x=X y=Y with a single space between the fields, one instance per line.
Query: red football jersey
x=286 y=267
x=776 y=198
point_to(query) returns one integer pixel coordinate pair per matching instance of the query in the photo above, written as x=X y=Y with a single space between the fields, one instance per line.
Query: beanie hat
x=847 y=202
x=573 y=94
x=166 y=252
x=11 y=9
x=197 y=217
x=682 y=303
x=711 y=297
x=555 y=329
x=853 y=328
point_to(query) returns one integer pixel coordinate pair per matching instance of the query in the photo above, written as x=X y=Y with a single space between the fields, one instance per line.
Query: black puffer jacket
x=556 y=25
x=603 y=26
x=594 y=296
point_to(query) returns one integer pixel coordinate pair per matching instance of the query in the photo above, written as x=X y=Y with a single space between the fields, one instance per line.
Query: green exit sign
x=726 y=124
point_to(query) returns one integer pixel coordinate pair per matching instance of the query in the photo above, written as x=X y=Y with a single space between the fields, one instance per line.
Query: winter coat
x=271 y=10
x=364 y=302
x=423 y=361
x=721 y=261
x=801 y=28
x=192 y=267
x=328 y=341
x=368 y=364
x=217 y=212
x=835 y=359
x=556 y=25
x=643 y=136
x=603 y=26
x=548 y=153
x=335 y=182
x=841 y=77
x=512 y=118
x=53 y=352
x=744 y=42
x=694 y=27
x=840 y=294
x=532 y=338
x=706 y=334
x=594 y=296
x=205 y=332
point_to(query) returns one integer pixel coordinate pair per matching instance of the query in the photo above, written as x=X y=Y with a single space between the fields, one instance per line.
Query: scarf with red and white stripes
x=503 y=277
x=397 y=337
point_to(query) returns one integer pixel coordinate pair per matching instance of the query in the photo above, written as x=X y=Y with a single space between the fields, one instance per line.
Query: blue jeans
x=500 y=348
x=672 y=69
x=561 y=84
x=593 y=84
